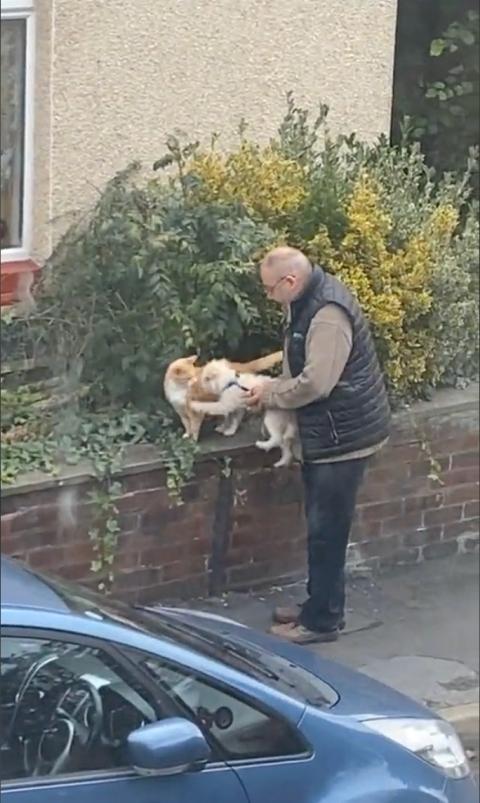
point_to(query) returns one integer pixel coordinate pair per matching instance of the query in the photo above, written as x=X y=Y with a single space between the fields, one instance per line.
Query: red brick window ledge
x=16 y=279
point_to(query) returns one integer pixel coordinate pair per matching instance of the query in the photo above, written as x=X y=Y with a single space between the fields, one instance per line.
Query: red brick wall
x=247 y=528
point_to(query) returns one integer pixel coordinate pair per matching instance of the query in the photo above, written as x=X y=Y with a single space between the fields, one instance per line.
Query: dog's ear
x=193 y=359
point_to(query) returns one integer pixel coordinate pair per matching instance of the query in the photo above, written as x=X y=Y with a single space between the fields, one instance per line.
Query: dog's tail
x=260 y=364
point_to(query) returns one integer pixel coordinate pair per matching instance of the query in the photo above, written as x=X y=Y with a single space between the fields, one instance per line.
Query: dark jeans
x=330 y=497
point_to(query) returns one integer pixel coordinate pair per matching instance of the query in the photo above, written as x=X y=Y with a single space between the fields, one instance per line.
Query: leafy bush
x=405 y=242
x=148 y=277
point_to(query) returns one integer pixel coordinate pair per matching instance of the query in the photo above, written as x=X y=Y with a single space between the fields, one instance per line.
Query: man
x=333 y=380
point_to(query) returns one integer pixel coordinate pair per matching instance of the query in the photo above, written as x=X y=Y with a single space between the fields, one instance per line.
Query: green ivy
x=100 y=439
x=104 y=533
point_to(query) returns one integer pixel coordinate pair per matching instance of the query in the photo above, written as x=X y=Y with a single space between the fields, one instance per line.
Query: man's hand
x=256 y=396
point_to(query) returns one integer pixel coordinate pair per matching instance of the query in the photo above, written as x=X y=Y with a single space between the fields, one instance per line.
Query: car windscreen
x=253 y=660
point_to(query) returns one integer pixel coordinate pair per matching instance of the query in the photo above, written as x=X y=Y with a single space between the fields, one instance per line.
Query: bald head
x=285 y=260
x=285 y=272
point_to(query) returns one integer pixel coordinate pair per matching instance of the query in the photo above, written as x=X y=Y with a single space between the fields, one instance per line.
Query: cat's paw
x=284 y=462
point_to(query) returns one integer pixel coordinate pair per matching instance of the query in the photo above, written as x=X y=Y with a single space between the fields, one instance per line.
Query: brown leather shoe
x=286 y=615
x=297 y=634
x=289 y=616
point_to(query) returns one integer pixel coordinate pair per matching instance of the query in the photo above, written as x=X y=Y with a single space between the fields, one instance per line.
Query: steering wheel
x=73 y=728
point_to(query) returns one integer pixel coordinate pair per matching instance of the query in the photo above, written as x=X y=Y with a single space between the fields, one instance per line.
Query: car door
x=67 y=706
x=268 y=753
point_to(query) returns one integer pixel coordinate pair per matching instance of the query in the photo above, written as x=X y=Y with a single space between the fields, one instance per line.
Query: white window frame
x=22 y=9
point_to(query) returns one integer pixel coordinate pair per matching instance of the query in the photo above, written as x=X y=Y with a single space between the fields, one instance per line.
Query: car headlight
x=434 y=740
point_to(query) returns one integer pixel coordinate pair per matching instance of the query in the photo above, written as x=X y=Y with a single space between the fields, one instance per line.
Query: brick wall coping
x=144 y=457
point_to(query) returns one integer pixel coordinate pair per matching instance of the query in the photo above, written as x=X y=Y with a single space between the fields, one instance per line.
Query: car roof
x=22 y=588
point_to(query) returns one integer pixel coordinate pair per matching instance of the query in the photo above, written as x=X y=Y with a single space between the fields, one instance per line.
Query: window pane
x=241 y=730
x=12 y=130
x=65 y=708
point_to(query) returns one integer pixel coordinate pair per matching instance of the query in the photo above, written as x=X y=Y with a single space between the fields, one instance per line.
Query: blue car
x=104 y=703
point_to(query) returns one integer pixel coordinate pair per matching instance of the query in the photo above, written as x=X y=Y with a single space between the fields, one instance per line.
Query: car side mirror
x=168 y=747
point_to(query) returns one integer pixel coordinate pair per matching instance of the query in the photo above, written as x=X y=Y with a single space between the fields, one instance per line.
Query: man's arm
x=327 y=349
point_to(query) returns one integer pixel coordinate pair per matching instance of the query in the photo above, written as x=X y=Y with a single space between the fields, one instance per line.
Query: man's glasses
x=270 y=288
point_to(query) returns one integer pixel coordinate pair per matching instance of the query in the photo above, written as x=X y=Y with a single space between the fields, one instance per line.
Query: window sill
x=10 y=275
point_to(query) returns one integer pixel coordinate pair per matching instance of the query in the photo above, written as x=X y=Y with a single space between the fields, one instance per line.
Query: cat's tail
x=260 y=364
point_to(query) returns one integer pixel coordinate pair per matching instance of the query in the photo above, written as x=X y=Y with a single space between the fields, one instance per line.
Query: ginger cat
x=182 y=385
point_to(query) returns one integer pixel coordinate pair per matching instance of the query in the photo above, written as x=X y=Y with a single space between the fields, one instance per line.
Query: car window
x=239 y=729
x=65 y=708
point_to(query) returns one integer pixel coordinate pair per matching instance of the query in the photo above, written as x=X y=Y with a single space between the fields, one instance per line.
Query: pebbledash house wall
x=113 y=79
x=241 y=523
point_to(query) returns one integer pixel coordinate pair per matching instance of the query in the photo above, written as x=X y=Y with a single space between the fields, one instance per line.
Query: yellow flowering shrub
x=393 y=286
x=264 y=181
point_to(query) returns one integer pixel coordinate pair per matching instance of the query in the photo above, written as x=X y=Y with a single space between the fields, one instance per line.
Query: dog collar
x=234 y=383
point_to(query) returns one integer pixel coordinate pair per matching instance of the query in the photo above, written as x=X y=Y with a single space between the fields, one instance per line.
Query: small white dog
x=219 y=378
